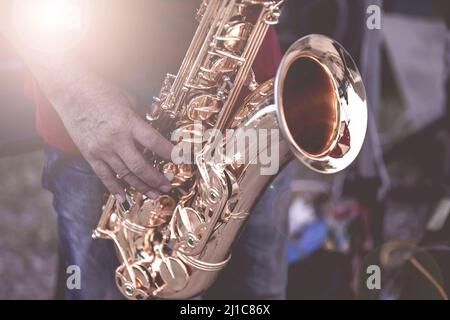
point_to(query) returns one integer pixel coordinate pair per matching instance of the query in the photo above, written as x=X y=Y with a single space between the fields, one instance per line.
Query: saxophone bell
x=321 y=104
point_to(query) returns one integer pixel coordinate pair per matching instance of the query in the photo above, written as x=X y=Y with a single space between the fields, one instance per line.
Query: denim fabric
x=258 y=268
x=77 y=199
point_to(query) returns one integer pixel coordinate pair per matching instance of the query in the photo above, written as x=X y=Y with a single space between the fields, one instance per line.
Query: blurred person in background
x=90 y=92
x=366 y=182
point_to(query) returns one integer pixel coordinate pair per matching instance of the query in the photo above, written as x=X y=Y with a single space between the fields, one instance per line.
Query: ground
x=28 y=241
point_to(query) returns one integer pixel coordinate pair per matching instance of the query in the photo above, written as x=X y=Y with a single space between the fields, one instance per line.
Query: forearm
x=66 y=83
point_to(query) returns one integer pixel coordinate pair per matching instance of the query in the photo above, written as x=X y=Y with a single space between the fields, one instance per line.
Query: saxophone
x=173 y=247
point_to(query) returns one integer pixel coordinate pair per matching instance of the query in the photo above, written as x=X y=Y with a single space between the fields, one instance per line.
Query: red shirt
x=52 y=130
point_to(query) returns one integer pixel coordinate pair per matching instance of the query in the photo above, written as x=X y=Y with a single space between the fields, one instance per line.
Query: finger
x=136 y=162
x=151 y=139
x=107 y=177
x=121 y=169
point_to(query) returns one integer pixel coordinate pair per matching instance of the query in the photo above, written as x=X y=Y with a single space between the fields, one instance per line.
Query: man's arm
x=97 y=115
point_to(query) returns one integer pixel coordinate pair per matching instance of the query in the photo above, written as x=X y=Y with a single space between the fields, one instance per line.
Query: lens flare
x=53 y=15
x=51 y=24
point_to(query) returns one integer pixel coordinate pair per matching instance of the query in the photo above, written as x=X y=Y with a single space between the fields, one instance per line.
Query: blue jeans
x=258 y=269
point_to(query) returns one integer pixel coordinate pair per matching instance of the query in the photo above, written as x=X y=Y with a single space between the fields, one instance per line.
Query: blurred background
x=391 y=208
x=28 y=242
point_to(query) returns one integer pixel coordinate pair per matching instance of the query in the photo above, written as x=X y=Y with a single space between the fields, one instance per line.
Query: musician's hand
x=106 y=130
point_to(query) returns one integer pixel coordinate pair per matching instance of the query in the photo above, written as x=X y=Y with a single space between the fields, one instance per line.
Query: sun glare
x=58 y=15
x=51 y=24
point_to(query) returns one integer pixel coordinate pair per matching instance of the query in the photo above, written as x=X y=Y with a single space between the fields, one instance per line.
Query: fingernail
x=165 y=188
x=119 y=198
x=152 y=195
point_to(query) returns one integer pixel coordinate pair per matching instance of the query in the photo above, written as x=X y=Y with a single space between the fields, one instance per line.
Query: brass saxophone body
x=174 y=246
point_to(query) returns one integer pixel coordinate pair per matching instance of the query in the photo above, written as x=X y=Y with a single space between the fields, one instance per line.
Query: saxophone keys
x=155 y=213
x=236 y=35
x=142 y=283
x=203 y=107
x=186 y=221
x=178 y=175
x=142 y=276
x=219 y=67
x=174 y=273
